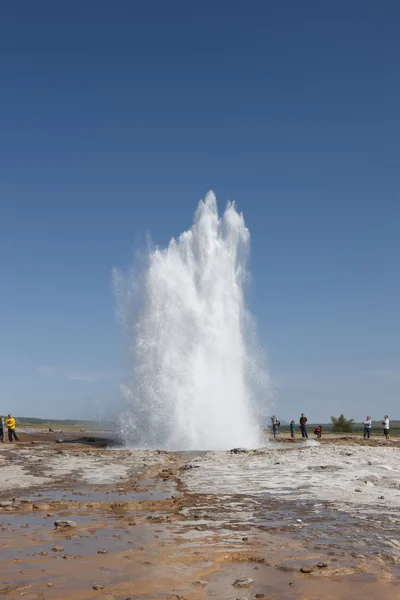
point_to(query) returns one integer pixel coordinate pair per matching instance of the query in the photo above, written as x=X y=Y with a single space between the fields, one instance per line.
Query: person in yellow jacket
x=10 y=423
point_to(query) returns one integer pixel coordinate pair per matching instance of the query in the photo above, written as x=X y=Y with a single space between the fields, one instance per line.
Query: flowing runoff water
x=198 y=375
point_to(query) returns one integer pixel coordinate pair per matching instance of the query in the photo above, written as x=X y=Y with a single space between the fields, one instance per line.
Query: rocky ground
x=292 y=521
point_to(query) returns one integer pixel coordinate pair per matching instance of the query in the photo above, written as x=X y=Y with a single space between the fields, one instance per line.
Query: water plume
x=198 y=375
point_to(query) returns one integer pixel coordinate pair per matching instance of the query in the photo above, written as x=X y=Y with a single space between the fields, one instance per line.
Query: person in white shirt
x=367 y=427
x=385 y=424
x=275 y=425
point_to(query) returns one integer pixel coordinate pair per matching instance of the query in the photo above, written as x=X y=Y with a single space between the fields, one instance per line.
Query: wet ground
x=158 y=525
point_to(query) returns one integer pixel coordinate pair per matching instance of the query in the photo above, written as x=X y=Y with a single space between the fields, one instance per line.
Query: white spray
x=199 y=378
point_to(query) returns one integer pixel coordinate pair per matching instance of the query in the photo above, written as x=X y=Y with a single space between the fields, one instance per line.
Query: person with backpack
x=303 y=425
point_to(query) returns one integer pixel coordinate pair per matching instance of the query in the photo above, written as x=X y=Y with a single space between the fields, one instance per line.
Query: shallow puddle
x=149 y=490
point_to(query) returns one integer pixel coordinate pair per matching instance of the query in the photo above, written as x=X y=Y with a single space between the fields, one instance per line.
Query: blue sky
x=118 y=117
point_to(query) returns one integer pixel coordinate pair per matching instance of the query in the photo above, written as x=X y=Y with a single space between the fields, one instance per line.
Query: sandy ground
x=158 y=525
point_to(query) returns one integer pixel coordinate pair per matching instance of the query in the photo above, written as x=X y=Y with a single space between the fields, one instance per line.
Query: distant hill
x=36 y=421
x=394 y=423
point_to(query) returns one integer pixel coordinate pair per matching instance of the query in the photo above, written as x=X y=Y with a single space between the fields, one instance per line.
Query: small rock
x=358 y=490
x=285 y=568
x=49 y=585
x=132 y=523
x=58 y=549
x=239 y=451
x=322 y=565
x=299 y=520
x=243 y=582
x=98 y=586
x=40 y=506
x=381 y=497
x=306 y=570
x=177 y=496
x=245 y=539
x=6 y=503
x=260 y=595
x=59 y=441
x=201 y=582
x=43 y=553
x=65 y=523
x=103 y=551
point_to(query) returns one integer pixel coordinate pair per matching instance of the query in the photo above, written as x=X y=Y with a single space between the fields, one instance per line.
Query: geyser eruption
x=198 y=374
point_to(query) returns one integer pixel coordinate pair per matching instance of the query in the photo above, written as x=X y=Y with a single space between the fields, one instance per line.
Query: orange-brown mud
x=144 y=535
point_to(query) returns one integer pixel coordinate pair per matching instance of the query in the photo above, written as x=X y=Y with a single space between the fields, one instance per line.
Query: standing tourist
x=367 y=428
x=10 y=423
x=385 y=424
x=292 y=428
x=275 y=425
x=303 y=425
x=1 y=430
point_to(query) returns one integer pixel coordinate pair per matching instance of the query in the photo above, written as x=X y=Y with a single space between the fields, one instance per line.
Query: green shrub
x=341 y=424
